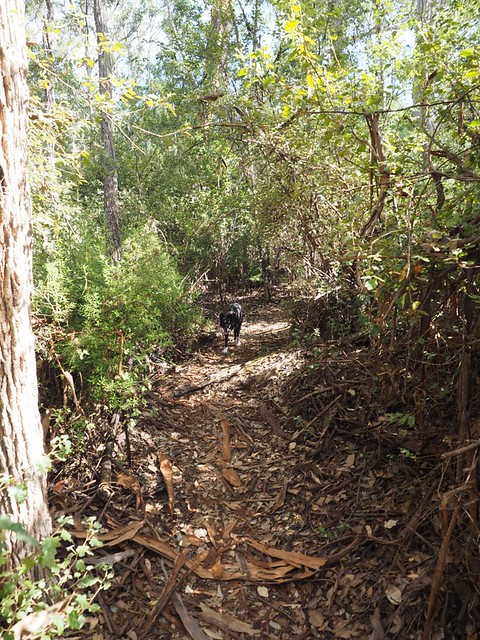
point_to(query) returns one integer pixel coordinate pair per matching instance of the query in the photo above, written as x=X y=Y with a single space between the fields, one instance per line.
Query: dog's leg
x=237 y=336
x=226 y=343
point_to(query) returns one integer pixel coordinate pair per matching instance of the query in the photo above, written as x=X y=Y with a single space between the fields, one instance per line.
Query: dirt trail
x=217 y=425
x=226 y=431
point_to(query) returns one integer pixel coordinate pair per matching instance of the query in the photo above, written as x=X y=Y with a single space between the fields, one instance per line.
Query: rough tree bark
x=21 y=436
x=110 y=175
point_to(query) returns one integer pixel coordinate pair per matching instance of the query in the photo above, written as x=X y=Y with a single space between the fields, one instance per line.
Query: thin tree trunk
x=377 y=160
x=110 y=176
x=21 y=436
x=221 y=26
x=47 y=45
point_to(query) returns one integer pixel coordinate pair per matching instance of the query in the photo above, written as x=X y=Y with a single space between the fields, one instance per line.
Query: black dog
x=232 y=319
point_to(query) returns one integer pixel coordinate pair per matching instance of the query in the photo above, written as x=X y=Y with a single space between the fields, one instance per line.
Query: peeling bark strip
x=21 y=434
x=377 y=156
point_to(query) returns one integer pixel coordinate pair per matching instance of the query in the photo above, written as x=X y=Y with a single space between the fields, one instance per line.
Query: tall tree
x=47 y=45
x=218 y=46
x=110 y=173
x=21 y=437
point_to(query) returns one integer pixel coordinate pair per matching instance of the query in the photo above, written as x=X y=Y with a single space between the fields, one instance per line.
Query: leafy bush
x=127 y=310
x=67 y=583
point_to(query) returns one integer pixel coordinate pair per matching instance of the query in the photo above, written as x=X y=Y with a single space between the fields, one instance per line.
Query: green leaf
x=44 y=464
x=371 y=284
x=49 y=546
x=291 y=25
x=17 y=528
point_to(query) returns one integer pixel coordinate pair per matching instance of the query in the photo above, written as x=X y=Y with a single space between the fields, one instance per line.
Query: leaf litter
x=266 y=498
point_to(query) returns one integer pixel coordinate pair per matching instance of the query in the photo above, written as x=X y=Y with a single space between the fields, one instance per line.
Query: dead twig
x=172 y=584
x=323 y=412
x=461 y=450
x=438 y=573
x=412 y=523
x=105 y=488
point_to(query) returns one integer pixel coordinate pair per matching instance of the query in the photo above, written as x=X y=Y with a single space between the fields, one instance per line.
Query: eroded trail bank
x=270 y=496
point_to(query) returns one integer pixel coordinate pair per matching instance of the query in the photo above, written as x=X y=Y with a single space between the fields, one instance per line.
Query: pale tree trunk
x=425 y=10
x=252 y=24
x=110 y=175
x=218 y=46
x=47 y=45
x=21 y=436
x=425 y=14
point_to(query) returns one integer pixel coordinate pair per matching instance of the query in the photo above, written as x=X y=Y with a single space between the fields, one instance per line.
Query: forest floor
x=268 y=498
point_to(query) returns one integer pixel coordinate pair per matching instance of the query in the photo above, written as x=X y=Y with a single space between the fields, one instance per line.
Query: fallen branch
x=169 y=588
x=322 y=412
x=271 y=419
x=192 y=388
x=461 y=450
x=438 y=573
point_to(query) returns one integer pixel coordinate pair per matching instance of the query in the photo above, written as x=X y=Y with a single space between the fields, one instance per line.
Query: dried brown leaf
x=167 y=474
x=345 y=629
x=296 y=559
x=231 y=476
x=394 y=594
x=114 y=536
x=376 y=620
x=229 y=527
x=226 y=445
x=33 y=623
x=316 y=619
x=226 y=621
x=189 y=622
x=271 y=419
x=129 y=482
x=280 y=501
x=288 y=566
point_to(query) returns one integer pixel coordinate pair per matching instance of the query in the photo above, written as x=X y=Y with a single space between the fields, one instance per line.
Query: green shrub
x=127 y=310
x=65 y=592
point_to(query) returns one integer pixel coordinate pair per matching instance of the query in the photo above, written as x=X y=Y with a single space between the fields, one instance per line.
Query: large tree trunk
x=21 y=436
x=110 y=175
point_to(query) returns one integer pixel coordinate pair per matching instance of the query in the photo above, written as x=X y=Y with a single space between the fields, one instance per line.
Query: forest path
x=222 y=447
x=254 y=501
x=230 y=459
